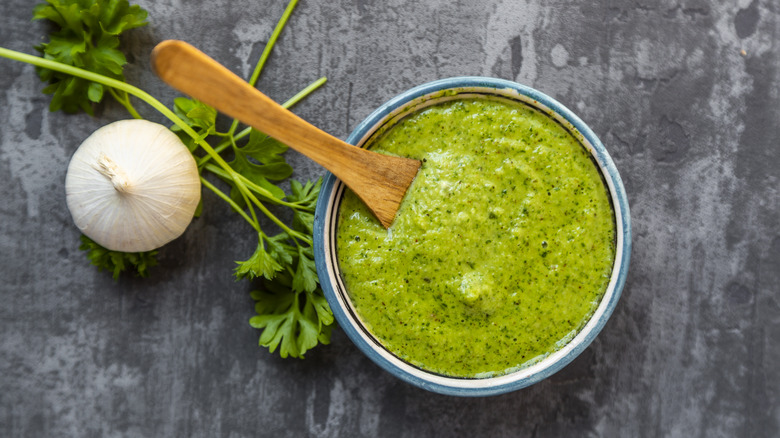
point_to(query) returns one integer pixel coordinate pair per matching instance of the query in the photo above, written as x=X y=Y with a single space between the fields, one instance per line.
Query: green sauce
x=501 y=250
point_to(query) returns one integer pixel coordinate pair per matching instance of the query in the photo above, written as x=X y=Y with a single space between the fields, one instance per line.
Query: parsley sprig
x=117 y=262
x=81 y=63
x=88 y=38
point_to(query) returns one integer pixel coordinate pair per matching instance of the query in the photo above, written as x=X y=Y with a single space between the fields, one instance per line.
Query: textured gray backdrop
x=685 y=94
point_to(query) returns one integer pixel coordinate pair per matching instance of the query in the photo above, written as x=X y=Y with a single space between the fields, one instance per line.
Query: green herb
x=81 y=62
x=293 y=322
x=117 y=262
x=88 y=38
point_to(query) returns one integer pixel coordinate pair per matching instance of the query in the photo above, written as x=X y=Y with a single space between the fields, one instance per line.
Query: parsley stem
x=232 y=203
x=244 y=193
x=305 y=92
x=124 y=100
x=272 y=41
x=251 y=209
x=292 y=233
x=247 y=193
x=267 y=52
x=267 y=195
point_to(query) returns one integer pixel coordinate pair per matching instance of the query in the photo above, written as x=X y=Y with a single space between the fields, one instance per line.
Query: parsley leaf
x=117 y=262
x=262 y=263
x=196 y=114
x=295 y=322
x=199 y=116
x=260 y=160
x=322 y=308
x=261 y=157
x=88 y=38
x=305 y=278
x=280 y=250
x=305 y=194
x=306 y=197
x=291 y=309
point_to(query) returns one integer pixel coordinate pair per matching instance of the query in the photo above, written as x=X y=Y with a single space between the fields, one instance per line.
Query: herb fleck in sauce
x=501 y=250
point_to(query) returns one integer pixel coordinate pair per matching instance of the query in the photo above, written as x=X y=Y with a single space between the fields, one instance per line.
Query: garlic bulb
x=132 y=186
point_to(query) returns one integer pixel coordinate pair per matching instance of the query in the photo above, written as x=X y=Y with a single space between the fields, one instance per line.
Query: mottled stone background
x=685 y=94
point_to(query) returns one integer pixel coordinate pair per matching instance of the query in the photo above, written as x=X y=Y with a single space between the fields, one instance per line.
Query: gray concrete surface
x=685 y=94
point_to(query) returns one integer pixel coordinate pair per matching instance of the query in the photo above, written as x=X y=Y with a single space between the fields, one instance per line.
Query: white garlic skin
x=132 y=186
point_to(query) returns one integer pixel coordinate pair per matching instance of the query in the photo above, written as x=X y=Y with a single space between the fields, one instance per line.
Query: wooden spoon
x=379 y=180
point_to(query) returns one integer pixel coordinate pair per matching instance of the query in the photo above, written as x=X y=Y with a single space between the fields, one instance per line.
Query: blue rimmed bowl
x=326 y=221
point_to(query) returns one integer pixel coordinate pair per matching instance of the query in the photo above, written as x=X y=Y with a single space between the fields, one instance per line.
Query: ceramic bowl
x=333 y=286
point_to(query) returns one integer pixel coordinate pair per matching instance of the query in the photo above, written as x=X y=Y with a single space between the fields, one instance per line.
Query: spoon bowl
x=380 y=181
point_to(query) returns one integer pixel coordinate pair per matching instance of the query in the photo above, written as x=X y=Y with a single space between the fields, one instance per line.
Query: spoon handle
x=370 y=175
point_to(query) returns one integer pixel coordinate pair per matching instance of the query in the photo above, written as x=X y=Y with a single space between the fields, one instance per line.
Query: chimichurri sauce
x=501 y=251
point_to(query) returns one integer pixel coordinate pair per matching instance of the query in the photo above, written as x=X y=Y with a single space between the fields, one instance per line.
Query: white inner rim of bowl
x=457 y=382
